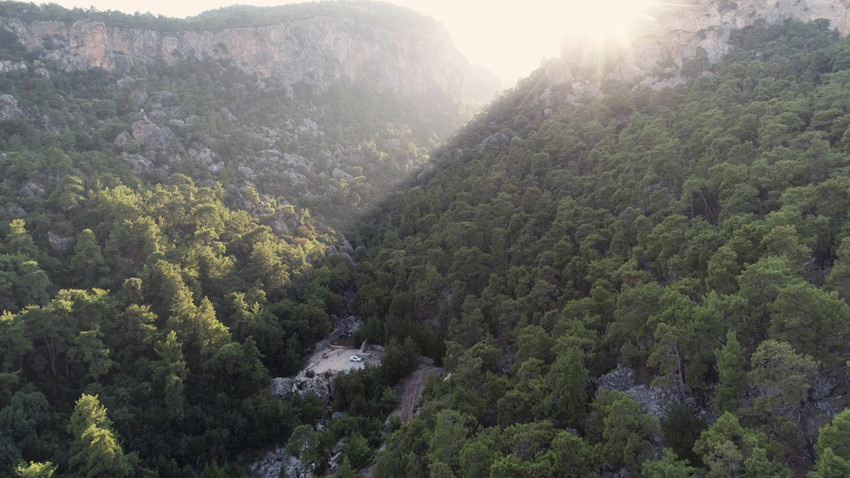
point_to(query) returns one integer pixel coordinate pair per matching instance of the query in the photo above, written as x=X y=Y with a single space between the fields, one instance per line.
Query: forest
x=170 y=240
x=693 y=240
x=650 y=283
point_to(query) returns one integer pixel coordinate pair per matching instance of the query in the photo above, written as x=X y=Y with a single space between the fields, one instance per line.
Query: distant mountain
x=386 y=47
x=322 y=105
x=172 y=200
x=676 y=40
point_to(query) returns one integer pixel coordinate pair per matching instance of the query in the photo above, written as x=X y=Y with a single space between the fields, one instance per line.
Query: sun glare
x=604 y=19
x=593 y=25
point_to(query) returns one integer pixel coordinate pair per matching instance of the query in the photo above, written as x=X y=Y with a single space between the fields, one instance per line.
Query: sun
x=604 y=20
x=597 y=31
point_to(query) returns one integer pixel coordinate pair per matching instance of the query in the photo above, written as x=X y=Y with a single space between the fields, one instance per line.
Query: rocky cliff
x=674 y=32
x=346 y=42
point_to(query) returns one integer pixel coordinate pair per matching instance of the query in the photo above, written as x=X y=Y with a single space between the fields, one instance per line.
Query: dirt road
x=413 y=387
x=336 y=358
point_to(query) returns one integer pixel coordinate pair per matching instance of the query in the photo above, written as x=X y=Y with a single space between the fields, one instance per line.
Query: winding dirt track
x=413 y=387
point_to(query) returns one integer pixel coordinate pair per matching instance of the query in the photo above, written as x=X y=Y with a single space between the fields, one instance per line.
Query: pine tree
x=19 y=240
x=35 y=470
x=95 y=450
x=730 y=365
x=567 y=382
x=87 y=266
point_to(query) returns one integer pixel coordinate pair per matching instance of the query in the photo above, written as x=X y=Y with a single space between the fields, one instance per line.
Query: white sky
x=509 y=37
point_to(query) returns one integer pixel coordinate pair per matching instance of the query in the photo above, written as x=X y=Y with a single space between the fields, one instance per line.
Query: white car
x=356 y=358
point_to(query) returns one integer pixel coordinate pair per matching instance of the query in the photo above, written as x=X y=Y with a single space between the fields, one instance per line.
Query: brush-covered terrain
x=644 y=282
x=171 y=230
x=651 y=283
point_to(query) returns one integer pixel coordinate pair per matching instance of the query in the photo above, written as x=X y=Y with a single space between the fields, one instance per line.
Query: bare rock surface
x=9 y=109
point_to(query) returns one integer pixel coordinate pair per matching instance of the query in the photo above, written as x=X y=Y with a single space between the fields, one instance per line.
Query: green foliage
x=696 y=234
x=357 y=451
x=35 y=470
x=835 y=436
x=669 y=466
x=830 y=465
x=623 y=430
x=95 y=450
x=682 y=428
x=730 y=365
x=679 y=231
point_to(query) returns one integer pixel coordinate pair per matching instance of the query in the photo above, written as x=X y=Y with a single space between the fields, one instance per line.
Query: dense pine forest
x=649 y=282
x=170 y=238
x=693 y=240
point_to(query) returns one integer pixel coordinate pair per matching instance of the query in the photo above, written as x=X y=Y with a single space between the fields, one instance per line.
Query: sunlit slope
x=324 y=106
x=171 y=228
x=695 y=236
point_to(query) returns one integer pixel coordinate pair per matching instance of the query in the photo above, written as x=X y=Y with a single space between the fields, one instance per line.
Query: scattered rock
x=287 y=387
x=425 y=174
x=340 y=174
x=59 y=243
x=138 y=163
x=32 y=189
x=621 y=378
x=497 y=140
x=9 y=108
x=123 y=139
x=657 y=401
x=822 y=387
x=279 y=226
x=277 y=463
x=150 y=135
x=247 y=173
x=15 y=211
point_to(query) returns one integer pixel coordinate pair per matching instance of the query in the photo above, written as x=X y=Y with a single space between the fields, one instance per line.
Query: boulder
x=59 y=243
x=340 y=174
x=138 y=163
x=287 y=387
x=9 y=108
x=276 y=463
x=152 y=136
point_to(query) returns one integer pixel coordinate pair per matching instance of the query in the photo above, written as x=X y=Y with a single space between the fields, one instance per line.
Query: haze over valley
x=319 y=240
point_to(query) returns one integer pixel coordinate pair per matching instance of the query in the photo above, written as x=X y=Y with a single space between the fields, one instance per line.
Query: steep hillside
x=170 y=203
x=674 y=40
x=646 y=281
x=390 y=49
x=322 y=106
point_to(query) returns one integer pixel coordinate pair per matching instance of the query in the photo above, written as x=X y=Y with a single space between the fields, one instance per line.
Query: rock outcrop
x=287 y=387
x=9 y=109
x=674 y=32
x=418 y=58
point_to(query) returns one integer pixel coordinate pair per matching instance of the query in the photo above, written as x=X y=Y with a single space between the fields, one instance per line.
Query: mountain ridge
x=318 y=50
x=680 y=39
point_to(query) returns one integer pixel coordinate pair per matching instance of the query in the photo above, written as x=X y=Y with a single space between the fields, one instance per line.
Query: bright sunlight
x=604 y=20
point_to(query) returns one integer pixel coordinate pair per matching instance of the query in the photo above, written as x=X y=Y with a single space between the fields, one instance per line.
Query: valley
x=624 y=268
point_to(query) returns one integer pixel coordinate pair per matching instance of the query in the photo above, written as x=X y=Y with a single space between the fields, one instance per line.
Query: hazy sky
x=508 y=37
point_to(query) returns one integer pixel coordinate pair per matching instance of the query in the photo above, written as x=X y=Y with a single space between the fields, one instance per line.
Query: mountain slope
x=168 y=225
x=323 y=106
x=639 y=267
x=314 y=44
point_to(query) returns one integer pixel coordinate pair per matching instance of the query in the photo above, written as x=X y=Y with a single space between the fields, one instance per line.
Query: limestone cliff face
x=317 y=51
x=675 y=31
